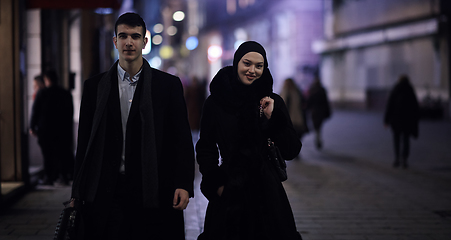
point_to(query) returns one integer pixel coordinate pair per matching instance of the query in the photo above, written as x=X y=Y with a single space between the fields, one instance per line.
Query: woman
x=246 y=199
x=402 y=115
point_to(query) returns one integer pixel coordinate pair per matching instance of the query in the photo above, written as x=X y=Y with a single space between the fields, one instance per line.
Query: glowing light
x=192 y=43
x=166 y=52
x=214 y=52
x=178 y=16
x=148 y=47
x=172 y=30
x=157 y=39
x=155 y=62
x=158 y=28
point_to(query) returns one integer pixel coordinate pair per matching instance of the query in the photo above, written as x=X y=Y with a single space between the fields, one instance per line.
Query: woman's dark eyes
x=247 y=64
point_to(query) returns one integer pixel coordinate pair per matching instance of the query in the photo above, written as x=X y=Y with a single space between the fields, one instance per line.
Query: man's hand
x=181 y=199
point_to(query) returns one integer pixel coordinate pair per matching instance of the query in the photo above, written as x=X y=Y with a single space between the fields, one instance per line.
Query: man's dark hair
x=132 y=20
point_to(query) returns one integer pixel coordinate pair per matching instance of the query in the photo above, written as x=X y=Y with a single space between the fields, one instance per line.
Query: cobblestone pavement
x=348 y=190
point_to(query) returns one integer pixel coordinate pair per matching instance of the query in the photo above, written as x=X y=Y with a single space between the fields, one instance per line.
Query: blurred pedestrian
x=319 y=108
x=402 y=115
x=135 y=158
x=38 y=84
x=52 y=122
x=296 y=104
x=246 y=199
x=195 y=97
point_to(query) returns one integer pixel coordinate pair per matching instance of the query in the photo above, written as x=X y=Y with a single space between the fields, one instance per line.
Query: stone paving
x=348 y=190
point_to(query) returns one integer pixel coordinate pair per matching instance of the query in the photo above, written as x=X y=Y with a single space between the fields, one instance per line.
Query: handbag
x=277 y=161
x=67 y=223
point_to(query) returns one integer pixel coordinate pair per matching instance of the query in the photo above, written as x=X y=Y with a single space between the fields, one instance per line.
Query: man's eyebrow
x=133 y=34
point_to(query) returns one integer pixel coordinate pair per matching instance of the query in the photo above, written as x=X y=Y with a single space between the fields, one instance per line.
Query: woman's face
x=250 y=67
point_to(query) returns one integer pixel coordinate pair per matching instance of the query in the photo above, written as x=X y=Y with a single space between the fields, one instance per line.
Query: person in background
x=195 y=97
x=134 y=169
x=296 y=104
x=246 y=199
x=38 y=84
x=402 y=115
x=319 y=108
x=52 y=122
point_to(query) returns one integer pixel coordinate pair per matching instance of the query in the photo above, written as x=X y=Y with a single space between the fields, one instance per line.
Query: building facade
x=368 y=44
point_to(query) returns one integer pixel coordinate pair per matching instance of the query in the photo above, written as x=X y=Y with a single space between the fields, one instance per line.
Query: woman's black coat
x=231 y=152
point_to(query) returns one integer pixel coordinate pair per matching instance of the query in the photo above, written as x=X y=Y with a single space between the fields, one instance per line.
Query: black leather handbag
x=67 y=223
x=277 y=161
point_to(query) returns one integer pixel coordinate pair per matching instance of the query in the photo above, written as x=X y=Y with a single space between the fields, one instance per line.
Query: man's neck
x=131 y=68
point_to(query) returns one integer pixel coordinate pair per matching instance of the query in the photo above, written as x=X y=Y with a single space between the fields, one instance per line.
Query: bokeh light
x=192 y=43
x=178 y=16
x=166 y=52
x=155 y=62
x=214 y=52
x=172 y=30
x=158 y=28
x=157 y=39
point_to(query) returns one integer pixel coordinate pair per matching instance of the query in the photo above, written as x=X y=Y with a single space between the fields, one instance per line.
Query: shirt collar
x=124 y=76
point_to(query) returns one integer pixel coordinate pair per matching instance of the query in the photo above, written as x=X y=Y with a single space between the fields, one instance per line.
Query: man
x=52 y=121
x=135 y=159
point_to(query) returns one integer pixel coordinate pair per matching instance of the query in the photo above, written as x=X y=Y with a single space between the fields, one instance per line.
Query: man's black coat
x=157 y=126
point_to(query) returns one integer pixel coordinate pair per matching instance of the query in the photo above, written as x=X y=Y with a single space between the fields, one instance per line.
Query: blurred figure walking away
x=52 y=122
x=402 y=115
x=296 y=104
x=319 y=108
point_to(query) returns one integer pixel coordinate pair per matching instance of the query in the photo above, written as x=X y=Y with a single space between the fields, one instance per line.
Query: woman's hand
x=267 y=106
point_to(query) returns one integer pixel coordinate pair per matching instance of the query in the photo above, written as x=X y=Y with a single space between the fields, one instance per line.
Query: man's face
x=130 y=42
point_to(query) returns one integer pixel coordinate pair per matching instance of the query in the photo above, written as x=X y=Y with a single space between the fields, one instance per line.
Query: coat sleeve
x=87 y=109
x=207 y=151
x=281 y=131
x=184 y=155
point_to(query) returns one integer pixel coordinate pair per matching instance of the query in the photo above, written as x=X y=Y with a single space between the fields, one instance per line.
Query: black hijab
x=261 y=87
